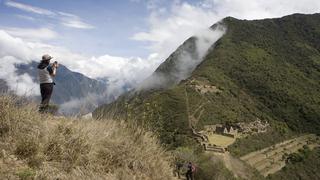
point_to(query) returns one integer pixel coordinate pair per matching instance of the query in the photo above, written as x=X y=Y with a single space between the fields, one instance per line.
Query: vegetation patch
x=42 y=146
x=306 y=166
x=272 y=159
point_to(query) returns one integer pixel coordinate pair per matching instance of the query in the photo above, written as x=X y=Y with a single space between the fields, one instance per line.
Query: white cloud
x=119 y=70
x=66 y=19
x=20 y=84
x=76 y=23
x=170 y=27
x=187 y=58
x=258 y=9
x=76 y=107
x=32 y=34
x=11 y=46
x=29 y=18
x=167 y=33
x=29 y=8
x=16 y=51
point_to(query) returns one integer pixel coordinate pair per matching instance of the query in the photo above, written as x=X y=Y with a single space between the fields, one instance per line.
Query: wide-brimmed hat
x=46 y=57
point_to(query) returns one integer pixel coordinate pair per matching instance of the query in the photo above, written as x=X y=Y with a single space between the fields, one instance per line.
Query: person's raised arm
x=53 y=69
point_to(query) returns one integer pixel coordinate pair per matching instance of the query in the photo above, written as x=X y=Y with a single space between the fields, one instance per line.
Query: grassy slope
x=276 y=63
x=267 y=69
x=46 y=147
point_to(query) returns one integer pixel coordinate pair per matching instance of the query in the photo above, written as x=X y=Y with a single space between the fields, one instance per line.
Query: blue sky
x=122 y=40
x=114 y=22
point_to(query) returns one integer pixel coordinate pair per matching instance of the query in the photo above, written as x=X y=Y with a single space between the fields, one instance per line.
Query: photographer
x=46 y=72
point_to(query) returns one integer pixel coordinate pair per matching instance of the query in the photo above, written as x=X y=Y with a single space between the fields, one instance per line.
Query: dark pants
x=46 y=91
x=189 y=175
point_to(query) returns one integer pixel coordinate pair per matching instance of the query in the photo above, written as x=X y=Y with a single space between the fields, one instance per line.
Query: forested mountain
x=267 y=69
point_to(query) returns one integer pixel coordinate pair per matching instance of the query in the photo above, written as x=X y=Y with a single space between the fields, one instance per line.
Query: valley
x=160 y=90
x=252 y=97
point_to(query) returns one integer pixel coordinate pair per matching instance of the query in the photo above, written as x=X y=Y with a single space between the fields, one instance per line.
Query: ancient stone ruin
x=235 y=130
x=223 y=130
x=254 y=127
x=203 y=87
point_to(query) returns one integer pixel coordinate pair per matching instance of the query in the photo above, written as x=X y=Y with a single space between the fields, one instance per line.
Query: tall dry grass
x=40 y=146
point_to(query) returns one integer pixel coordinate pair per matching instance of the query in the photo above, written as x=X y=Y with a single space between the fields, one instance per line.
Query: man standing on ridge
x=46 y=73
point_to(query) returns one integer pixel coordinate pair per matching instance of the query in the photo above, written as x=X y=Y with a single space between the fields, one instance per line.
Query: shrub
x=207 y=165
x=26 y=174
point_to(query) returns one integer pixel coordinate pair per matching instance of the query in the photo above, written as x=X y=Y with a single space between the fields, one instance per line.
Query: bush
x=26 y=174
x=207 y=165
x=299 y=156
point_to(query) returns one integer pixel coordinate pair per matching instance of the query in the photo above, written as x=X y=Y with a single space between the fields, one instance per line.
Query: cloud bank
x=14 y=52
x=120 y=71
x=186 y=58
x=169 y=27
x=40 y=34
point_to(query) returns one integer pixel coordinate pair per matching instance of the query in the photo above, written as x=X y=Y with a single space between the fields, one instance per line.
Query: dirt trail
x=192 y=119
x=239 y=168
x=188 y=110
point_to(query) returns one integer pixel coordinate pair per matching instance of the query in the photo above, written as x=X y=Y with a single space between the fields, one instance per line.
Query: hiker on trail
x=46 y=72
x=178 y=169
x=190 y=172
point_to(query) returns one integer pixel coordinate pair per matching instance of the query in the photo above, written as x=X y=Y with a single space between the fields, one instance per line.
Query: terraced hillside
x=303 y=165
x=272 y=159
x=266 y=69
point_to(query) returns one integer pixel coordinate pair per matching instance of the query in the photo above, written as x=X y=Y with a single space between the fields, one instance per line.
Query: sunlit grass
x=42 y=146
x=220 y=140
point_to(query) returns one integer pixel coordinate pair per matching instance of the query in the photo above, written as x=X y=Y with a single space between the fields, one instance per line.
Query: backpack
x=193 y=168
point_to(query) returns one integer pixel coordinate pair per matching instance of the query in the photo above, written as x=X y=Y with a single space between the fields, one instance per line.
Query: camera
x=56 y=64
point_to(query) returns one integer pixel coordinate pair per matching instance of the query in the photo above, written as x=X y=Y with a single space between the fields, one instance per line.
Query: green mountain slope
x=263 y=69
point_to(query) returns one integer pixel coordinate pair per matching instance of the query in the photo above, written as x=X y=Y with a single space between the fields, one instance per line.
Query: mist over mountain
x=252 y=59
x=181 y=63
x=266 y=70
x=161 y=90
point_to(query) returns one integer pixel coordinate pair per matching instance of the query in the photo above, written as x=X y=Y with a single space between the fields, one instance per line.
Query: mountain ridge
x=258 y=74
x=70 y=86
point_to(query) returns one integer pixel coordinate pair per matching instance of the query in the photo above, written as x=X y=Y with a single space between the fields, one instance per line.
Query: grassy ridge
x=35 y=146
